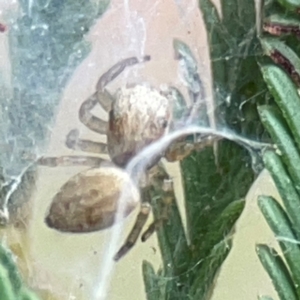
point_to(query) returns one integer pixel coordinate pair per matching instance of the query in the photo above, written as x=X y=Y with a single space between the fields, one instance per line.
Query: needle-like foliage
x=281 y=119
x=215 y=182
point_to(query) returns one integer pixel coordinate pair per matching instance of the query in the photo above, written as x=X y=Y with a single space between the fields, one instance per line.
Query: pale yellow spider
x=138 y=116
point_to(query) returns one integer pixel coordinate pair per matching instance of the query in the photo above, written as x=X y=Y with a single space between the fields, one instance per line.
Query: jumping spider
x=138 y=116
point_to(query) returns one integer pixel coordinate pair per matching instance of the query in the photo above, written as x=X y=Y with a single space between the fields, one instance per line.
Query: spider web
x=45 y=83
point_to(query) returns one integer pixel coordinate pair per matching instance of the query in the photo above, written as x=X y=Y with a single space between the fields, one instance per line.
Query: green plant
x=281 y=119
x=11 y=284
x=214 y=185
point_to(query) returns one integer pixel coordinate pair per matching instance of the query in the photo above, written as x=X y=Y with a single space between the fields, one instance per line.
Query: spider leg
x=88 y=119
x=181 y=149
x=74 y=142
x=168 y=198
x=158 y=175
x=103 y=97
x=117 y=69
x=66 y=161
x=138 y=225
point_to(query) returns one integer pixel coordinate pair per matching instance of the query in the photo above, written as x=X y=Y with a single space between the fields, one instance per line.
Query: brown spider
x=138 y=116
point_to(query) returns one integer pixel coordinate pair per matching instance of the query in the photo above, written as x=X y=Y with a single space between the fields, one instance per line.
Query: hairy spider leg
x=168 y=198
x=88 y=119
x=72 y=160
x=74 y=142
x=140 y=221
x=117 y=69
x=183 y=148
x=160 y=180
x=103 y=97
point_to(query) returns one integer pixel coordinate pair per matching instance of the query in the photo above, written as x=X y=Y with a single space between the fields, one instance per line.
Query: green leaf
x=26 y=294
x=217 y=35
x=278 y=272
x=173 y=245
x=11 y=284
x=283 y=126
x=180 y=109
x=195 y=86
x=280 y=225
x=215 y=181
x=154 y=287
x=281 y=24
x=285 y=94
x=6 y=289
x=189 y=66
x=281 y=136
x=232 y=12
x=284 y=56
x=209 y=191
x=233 y=53
x=290 y=4
x=8 y=262
x=208 y=269
x=265 y=298
x=285 y=187
x=223 y=224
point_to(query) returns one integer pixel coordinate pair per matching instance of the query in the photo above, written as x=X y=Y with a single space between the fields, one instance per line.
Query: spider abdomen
x=89 y=200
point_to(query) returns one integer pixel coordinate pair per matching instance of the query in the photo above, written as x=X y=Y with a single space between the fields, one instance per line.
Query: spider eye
x=111 y=120
x=164 y=124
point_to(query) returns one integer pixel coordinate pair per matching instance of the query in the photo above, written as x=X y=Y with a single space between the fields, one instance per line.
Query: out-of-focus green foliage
x=11 y=284
x=46 y=44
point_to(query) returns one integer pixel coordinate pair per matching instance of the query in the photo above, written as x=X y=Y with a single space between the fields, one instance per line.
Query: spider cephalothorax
x=138 y=116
